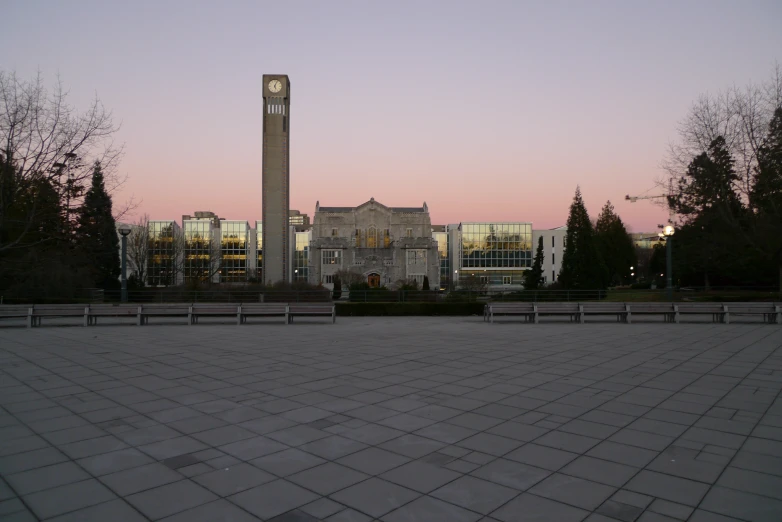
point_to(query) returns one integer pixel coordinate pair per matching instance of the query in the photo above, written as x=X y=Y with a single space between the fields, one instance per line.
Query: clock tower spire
x=275 y=178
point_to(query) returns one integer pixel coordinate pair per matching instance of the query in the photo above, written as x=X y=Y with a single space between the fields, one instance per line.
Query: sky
x=487 y=111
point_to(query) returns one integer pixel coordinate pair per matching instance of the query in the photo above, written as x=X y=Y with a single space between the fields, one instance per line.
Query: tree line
x=57 y=169
x=726 y=176
x=596 y=255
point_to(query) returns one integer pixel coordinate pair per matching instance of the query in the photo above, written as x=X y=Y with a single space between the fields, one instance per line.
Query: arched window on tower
x=372 y=237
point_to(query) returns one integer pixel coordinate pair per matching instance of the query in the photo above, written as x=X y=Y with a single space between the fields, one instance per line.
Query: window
x=328 y=280
x=418 y=278
x=485 y=280
x=409 y=232
x=506 y=280
x=372 y=237
x=553 y=258
x=358 y=238
x=553 y=276
x=331 y=257
x=334 y=232
x=552 y=241
x=386 y=238
x=416 y=257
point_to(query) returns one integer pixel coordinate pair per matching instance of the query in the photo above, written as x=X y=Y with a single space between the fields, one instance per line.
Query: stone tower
x=276 y=177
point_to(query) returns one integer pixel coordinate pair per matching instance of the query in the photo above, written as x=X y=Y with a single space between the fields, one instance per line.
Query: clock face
x=275 y=86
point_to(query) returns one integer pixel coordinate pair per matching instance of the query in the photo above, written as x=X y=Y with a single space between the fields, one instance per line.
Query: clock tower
x=275 y=180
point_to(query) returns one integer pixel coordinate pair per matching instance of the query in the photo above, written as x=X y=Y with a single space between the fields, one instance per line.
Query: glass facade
x=259 y=250
x=499 y=253
x=301 y=257
x=442 y=251
x=200 y=257
x=233 y=251
x=164 y=251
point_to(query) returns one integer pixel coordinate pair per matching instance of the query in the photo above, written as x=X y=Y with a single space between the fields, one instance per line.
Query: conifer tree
x=96 y=233
x=582 y=265
x=616 y=246
x=533 y=278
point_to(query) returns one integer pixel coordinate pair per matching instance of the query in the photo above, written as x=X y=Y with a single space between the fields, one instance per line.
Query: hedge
x=363 y=309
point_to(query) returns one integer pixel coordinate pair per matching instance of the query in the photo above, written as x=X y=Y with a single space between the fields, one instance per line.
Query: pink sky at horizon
x=492 y=114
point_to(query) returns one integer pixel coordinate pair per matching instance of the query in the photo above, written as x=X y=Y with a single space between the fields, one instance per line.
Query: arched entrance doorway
x=373 y=280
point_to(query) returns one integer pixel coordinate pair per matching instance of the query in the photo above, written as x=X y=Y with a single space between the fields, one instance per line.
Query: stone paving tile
x=452 y=420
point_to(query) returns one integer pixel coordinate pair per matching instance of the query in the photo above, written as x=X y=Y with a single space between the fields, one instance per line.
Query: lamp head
x=124 y=230
x=668 y=230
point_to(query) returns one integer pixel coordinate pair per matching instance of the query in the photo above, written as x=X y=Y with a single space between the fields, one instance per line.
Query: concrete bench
x=717 y=311
x=771 y=312
x=312 y=310
x=57 y=311
x=214 y=310
x=262 y=310
x=574 y=310
x=164 y=310
x=620 y=310
x=667 y=310
x=110 y=310
x=17 y=312
x=526 y=310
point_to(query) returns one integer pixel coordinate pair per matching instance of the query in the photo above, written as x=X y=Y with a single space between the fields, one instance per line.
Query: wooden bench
x=574 y=310
x=17 y=312
x=620 y=310
x=164 y=310
x=718 y=311
x=262 y=310
x=57 y=310
x=526 y=310
x=110 y=310
x=669 y=311
x=214 y=310
x=312 y=309
x=771 y=312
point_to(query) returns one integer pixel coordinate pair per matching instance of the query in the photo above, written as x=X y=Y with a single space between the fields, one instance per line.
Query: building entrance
x=373 y=280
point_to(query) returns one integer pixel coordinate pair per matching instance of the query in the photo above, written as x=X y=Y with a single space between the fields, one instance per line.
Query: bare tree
x=138 y=247
x=45 y=138
x=740 y=116
x=350 y=277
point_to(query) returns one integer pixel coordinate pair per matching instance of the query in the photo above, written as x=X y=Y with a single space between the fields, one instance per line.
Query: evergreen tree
x=766 y=196
x=96 y=233
x=337 y=292
x=582 y=265
x=425 y=284
x=616 y=245
x=712 y=246
x=533 y=278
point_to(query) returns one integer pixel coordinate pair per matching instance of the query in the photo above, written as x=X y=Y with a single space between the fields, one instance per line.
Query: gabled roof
x=371 y=201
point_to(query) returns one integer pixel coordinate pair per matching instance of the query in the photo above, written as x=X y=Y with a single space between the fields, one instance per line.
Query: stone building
x=383 y=245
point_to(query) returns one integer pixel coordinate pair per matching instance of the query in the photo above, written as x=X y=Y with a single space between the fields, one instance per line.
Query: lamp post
x=124 y=231
x=668 y=232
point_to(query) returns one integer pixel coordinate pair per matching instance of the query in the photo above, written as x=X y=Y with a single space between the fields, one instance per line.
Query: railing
x=227 y=294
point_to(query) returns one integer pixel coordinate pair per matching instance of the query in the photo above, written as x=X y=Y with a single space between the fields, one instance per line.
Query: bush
x=402 y=309
x=337 y=293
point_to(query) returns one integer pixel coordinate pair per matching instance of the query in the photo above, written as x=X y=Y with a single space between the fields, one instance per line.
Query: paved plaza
x=392 y=419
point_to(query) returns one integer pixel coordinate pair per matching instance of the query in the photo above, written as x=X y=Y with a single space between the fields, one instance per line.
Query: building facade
x=164 y=256
x=201 y=249
x=440 y=234
x=236 y=263
x=553 y=249
x=491 y=255
x=383 y=246
x=276 y=178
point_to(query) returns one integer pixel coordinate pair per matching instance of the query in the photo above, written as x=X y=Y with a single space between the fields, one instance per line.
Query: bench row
x=89 y=314
x=624 y=312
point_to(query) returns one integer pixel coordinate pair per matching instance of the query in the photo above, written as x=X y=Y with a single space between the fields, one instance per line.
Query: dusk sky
x=488 y=111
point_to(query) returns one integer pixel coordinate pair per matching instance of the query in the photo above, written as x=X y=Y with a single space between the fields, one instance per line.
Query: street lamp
x=124 y=231
x=668 y=232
